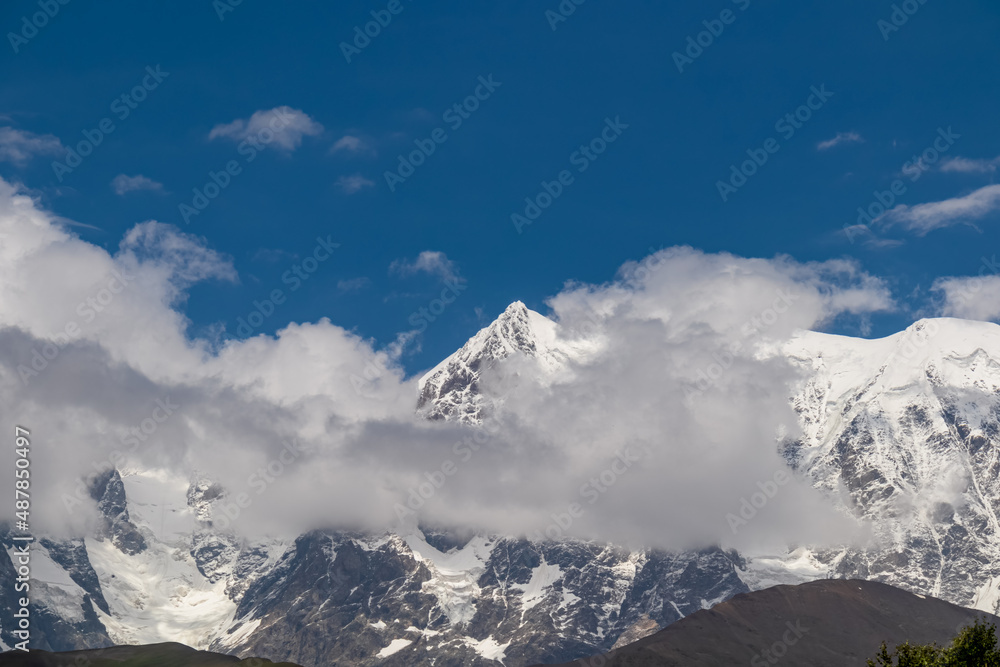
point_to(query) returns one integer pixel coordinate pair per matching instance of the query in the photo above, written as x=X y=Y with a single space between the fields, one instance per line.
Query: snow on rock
x=395 y=646
x=52 y=586
x=454 y=574
x=159 y=595
x=542 y=578
x=488 y=648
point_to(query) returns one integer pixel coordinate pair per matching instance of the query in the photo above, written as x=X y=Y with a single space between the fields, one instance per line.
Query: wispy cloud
x=283 y=126
x=19 y=146
x=841 y=138
x=123 y=184
x=351 y=144
x=353 y=284
x=969 y=166
x=353 y=184
x=971 y=298
x=433 y=262
x=924 y=218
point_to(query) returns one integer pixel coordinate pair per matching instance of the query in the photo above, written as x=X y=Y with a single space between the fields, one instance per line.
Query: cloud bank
x=639 y=431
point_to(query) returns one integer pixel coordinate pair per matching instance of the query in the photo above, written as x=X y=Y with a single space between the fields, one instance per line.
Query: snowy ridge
x=909 y=424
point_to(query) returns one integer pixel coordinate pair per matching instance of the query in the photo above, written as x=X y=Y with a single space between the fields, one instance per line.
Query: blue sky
x=553 y=91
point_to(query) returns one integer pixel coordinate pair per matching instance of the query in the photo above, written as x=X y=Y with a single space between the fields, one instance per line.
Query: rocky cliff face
x=351 y=599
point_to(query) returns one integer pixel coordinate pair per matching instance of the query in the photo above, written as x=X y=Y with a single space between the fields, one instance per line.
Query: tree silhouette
x=975 y=646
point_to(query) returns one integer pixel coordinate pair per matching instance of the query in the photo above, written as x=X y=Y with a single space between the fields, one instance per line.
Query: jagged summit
x=450 y=390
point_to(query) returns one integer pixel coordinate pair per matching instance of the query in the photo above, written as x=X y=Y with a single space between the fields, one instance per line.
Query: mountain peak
x=450 y=390
x=516 y=307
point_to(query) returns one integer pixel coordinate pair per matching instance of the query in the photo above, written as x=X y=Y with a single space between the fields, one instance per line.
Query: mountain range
x=900 y=432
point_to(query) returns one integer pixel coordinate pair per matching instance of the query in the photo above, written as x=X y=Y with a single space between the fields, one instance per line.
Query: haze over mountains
x=897 y=439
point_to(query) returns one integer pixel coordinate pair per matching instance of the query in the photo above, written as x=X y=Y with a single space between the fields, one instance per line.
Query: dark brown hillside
x=827 y=623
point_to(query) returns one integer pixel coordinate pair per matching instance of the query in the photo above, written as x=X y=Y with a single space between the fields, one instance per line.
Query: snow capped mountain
x=451 y=390
x=902 y=432
x=908 y=425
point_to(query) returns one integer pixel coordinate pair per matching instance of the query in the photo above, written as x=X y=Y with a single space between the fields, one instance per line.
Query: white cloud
x=970 y=298
x=841 y=138
x=353 y=184
x=924 y=218
x=283 y=126
x=433 y=262
x=123 y=184
x=649 y=333
x=969 y=166
x=19 y=146
x=351 y=144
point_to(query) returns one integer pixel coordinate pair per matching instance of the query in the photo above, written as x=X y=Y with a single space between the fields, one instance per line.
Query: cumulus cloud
x=433 y=262
x=635 y=390
x=964 y=165
x=123 y=184
x=283 y=126
x=841 y=138
x=19 y=146
x=970 y=297
x=353 y=184
x=924 y=218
